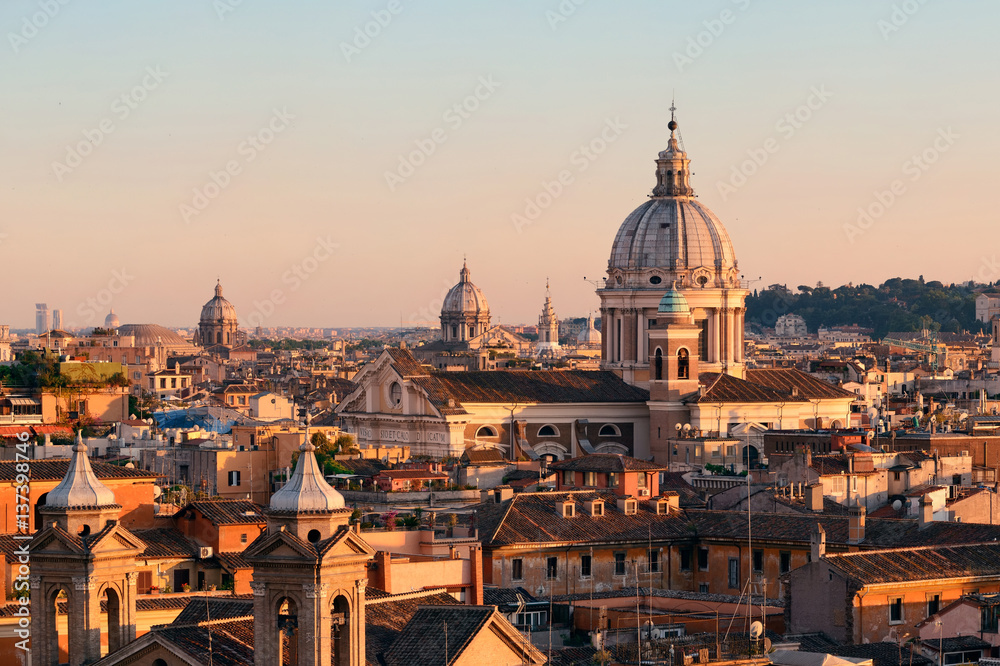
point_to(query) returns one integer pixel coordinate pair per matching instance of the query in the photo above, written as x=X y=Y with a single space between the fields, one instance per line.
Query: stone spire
x=80 y=488
x=218 y=288
x=463 y=275
x=307 y=491
x=673 y=173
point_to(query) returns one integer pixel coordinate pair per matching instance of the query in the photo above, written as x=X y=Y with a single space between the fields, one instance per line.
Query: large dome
x=111 y=321
x=150 y=335
x=677 y=235
x=672 y=238
x=218 y=309
x=465 y=297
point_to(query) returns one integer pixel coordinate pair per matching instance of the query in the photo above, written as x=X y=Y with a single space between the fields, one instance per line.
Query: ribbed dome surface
x=465 y=297
x=307 y=491
x=80 y=488
x=674 y=234
x=148 y=335
x=218 y=309
x=673 y=302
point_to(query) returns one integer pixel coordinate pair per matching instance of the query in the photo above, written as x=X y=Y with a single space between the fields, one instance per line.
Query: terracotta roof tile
x=227 y=512
x=422 y=642
x=606 y=462
x=54 y=469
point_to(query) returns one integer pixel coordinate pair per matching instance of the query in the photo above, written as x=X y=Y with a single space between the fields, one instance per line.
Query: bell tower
x=673 y=362
x=80 y=556
x=309 y=575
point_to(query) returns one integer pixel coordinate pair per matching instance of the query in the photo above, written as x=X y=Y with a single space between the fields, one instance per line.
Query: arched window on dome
x=227 y=338
x=454 y=332
x=683 y=364
x=472 y=331
x=218 y=337
x=659 y=364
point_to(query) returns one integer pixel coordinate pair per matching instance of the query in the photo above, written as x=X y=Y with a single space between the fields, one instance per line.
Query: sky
x=333 y=163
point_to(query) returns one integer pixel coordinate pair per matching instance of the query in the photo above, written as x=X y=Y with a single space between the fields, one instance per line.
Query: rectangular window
x=896 y=610
x=589 y=479
x=734 y=573
x=786 y=561
x=703 y=588
x=758 y=561
x=568 y=479
x=612 y=480
x=173 y=382
x=654 y=561
x=552 y=568
x=163 y=382
x=685 y=559
x=703 y=559
x=933 y=604
x=641 y=480
x=619 y=564
x=517 y=569
x=243 y=538
x=585 y=566
x=145 y=582
x=234 y=478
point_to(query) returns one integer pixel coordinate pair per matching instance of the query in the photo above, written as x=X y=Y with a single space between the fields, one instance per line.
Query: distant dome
x=218 y=309
x=111 y=321
x=465 y=297
x=149 y=335
x=590 y=335
x=307 y=491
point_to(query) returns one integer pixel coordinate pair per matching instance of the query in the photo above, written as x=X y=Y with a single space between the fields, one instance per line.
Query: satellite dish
x=897 y=505
x=767 y=645
x=756 y=629
x=157 y=491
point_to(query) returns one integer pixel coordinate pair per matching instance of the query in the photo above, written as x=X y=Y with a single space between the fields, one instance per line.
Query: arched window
x=454 y=332
x=472 y=331
x=486 y=431
x=609 y=430
x=218 y=337
x=683 y=364
x=548 y=431
x=659 y=364
x=113 y=627
x=341 y=629
x=288 y=631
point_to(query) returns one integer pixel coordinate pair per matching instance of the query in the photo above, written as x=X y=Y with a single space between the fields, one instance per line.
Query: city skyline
x=352 y=172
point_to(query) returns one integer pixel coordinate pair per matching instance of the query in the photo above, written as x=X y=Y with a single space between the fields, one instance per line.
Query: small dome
x=673 y=302
x=590 y=335
x=307 y=491
x=80 y=488
x=465 y=297
x=218 y=309
x=111 y=321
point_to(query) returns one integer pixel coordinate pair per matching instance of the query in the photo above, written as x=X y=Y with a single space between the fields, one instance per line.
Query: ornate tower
x=465 y=313
x=548 y=327
x=81 y=555
x=671 y=239
x=309 y=576
x=673 y=359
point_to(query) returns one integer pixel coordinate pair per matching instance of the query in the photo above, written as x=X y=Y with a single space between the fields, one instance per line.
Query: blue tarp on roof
x=212 y=419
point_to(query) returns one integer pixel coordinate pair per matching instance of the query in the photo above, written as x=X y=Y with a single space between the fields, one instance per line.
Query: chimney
x=383 y=579
x=485 y=495
x=814 y=497
x=856 y=528
x=926 y=512
x=503 y=493
x=476 y=572
x=817 y=543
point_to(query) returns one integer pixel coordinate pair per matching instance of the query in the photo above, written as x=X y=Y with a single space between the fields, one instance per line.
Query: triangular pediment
x=347 y=543
x=280 y=544
x=117 y=539
x=53 y=540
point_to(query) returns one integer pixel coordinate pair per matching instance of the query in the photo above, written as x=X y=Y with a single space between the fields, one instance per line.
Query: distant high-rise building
x=42 y=318
x=57 y=319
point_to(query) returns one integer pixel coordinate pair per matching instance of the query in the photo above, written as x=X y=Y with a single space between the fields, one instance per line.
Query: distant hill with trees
x=895 y=305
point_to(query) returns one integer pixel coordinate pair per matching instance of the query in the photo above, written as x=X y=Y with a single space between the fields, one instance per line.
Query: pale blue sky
x=886 y=97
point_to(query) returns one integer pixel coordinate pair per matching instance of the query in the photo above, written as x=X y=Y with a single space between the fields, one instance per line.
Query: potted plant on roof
x=186 y=587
